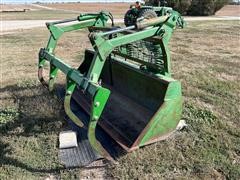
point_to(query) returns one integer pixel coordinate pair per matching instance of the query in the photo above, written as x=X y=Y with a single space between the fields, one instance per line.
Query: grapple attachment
x=124 y=84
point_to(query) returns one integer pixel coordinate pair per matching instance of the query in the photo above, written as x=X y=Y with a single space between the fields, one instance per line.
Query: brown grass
x=118 y=9
x=205 y=59
x=30 y=117
x=229 y=10
x=11 y=7
x=38 y=15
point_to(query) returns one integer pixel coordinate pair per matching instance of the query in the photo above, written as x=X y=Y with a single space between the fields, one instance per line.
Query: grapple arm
x=84 y=21
x=47 y=54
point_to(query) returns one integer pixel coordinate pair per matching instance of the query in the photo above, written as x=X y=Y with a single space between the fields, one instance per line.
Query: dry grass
x=229 y=10
x=42 y=14
x=11 y=7
x=30 y=117
x=70 y=10
x=118 y=9
x=205 y=59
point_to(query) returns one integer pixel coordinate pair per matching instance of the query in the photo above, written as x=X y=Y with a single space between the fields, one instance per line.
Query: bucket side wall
x=167 y=117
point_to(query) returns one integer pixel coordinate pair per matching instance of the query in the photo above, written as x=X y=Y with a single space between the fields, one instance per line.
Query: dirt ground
x=17 y=7
x=121 y=8
x=69 y=10
x=116 y=8
x=229 y=10
x=12 y=26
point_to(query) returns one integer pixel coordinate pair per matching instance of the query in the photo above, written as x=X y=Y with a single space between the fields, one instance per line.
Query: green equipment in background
x=138 y=10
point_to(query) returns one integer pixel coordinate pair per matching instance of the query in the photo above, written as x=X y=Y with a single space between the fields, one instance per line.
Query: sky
x=53 y=1
x=47 y=1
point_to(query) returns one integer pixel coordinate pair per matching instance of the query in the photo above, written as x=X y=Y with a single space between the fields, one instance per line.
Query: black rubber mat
x=84 y=154
x=80 y=156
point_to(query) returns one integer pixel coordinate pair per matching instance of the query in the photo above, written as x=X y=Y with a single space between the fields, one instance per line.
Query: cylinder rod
x=63 y=21
x=118 y=30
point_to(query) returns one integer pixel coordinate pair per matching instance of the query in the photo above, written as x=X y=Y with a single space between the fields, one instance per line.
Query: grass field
x=38 y=15
x=206 y=59
x=74 y=9
x=63 y=10
x=117 y=9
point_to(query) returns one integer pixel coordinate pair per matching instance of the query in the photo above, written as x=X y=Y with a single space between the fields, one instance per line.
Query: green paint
x=98 y=104
x=168 y=116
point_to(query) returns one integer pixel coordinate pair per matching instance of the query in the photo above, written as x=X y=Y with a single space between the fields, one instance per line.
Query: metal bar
x=151 y=22
x=135 y=59
x=81 y=17
x=62 y=21
x=139 y=25
x=66 y=69
x=85 y=17
x=130 y=38
x=95 y=28
x=56 y=62
x=78 y=26
x=150 y=39
x=72 y=73
x=118 y=30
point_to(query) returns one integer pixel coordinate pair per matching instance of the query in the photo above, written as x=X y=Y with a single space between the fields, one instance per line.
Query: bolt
x=97 y=104
x=162 y=30
x=95 y=118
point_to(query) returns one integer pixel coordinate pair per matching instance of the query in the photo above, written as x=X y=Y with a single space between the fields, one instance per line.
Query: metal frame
x=161 y=26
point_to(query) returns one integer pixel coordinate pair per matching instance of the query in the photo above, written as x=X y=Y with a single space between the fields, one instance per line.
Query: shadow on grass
x=4 y=149
x=34 y=114
x=37 y=115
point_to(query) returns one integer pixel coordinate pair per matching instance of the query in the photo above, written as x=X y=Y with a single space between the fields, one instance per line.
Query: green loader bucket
x=141 y=109
x=124 y=83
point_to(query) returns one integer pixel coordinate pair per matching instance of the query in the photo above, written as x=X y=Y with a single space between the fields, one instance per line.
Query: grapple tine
x=52 y=77
x=41 y=63
x=40 y=77
x=67 y=103
x=98 y=104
